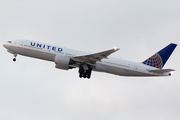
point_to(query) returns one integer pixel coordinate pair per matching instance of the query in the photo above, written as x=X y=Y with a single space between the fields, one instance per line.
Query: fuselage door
x=21 y=43
x=136 y=67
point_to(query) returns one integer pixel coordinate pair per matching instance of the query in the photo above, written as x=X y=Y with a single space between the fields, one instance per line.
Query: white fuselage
x=48 y=52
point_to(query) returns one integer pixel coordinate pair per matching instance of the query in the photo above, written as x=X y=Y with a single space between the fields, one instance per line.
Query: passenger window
x=9 y=42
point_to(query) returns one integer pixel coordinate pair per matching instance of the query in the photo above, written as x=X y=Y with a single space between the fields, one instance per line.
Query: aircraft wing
x=162 y=70
x=93 y=58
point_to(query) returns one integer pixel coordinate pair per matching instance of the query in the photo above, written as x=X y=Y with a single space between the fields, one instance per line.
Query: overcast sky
x=32 y=89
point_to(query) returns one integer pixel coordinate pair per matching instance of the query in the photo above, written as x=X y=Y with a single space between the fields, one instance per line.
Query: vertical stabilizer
x=159 y=59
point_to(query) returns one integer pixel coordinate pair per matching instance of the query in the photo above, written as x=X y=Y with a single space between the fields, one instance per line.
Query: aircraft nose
x=5 y=45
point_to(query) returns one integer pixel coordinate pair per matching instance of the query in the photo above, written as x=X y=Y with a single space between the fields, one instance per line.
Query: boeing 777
x=66 y=59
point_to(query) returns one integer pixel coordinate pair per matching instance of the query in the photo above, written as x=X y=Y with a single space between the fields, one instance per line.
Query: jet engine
x=62 y=62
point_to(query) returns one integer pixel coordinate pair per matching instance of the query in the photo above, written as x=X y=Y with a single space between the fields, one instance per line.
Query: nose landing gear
x=14 y=59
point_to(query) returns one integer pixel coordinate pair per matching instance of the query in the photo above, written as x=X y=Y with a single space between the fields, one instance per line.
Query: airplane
x=66 y=59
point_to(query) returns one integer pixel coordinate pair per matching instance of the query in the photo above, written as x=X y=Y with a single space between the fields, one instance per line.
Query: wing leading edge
x=93 y=58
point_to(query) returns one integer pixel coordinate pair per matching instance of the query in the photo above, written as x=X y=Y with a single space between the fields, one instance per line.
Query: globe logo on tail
x=154 y=61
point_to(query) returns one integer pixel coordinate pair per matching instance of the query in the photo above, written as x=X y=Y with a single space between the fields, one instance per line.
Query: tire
x=14 y=59
x=80 y=75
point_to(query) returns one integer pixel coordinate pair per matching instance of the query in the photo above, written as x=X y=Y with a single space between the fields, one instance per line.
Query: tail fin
x=159 y=59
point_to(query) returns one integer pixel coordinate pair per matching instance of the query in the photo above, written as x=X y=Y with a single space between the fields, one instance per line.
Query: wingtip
x=173 y=43
x=115 y=48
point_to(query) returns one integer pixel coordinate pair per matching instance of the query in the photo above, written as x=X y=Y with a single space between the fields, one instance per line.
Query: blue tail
x=159 y=59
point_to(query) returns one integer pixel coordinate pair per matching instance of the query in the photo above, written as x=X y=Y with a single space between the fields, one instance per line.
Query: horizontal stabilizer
x=162 y=70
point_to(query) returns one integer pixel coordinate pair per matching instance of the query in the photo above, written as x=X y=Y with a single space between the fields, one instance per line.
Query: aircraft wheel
x=89 y=73
x=84 y=75
x=14 y=59
x=80 y=75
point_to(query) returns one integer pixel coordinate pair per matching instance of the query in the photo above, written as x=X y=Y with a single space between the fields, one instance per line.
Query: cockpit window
x=9 y=41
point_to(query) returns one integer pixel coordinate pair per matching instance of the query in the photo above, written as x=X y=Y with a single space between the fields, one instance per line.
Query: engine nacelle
x=62 y=62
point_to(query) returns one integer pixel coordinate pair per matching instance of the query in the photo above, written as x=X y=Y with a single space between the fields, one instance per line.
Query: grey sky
x=34 y=89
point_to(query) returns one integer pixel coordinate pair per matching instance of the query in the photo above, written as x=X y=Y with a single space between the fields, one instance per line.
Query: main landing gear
x=85 y=73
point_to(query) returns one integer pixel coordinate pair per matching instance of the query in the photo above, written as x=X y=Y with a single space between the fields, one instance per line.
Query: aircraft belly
x=117 y=70
x=124 y=71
